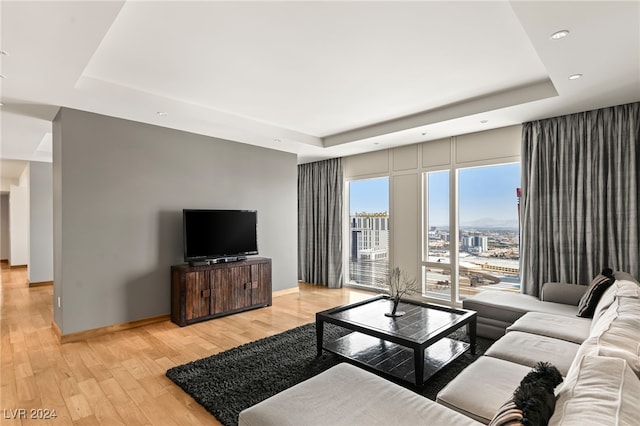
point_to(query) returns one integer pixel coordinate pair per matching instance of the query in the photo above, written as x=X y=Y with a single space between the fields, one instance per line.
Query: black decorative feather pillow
x=533 y=401
x=591 y=297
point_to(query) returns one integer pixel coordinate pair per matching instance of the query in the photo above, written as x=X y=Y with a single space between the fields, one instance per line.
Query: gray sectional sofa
x=599 y=359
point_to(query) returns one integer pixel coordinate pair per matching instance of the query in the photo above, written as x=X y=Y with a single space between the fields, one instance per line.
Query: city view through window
x=488 y=256
x=369 y=232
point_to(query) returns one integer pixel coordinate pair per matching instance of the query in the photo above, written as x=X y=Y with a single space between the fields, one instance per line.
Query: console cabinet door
x=261 y=284
x=230 y=289
x=241 y=286
x=198 y=294
x=222 y=300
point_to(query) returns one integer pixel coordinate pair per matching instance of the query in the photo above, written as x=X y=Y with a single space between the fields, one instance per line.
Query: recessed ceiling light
x=1 y=104
x=559 y=34
x=162 y=113
x=575 y=76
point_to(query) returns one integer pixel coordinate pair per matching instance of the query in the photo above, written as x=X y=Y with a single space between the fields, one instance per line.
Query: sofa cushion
x=567 y=294
x=622 y=316
x=598 y=391
x=571 y=329
x=347 y=395
x=623 y=286
x=481 y=389
x=617 y=333
x=626 y=287
x=598 y=285
x=605 y=301
x=508 y=307
x=528 y=349
x=629 y=279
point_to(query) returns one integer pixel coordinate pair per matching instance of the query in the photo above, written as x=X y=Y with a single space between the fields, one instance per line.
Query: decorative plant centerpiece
x=399 y=285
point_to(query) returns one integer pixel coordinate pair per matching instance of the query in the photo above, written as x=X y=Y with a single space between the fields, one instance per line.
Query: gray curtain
x=320 y=188
x=580 y=197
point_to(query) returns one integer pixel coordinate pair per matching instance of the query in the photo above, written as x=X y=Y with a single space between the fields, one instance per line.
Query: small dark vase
x=395 y=312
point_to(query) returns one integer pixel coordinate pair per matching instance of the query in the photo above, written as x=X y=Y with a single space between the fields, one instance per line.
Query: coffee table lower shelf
x=395 y=360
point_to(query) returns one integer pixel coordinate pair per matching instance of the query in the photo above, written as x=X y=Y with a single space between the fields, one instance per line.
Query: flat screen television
x=215 y=234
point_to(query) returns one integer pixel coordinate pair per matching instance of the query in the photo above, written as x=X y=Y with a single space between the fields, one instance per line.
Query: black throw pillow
x=591 y=297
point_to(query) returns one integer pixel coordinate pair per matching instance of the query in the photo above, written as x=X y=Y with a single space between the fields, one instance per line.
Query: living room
x=121 y=177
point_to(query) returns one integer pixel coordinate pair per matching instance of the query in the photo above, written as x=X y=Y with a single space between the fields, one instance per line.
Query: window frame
x=454 y=225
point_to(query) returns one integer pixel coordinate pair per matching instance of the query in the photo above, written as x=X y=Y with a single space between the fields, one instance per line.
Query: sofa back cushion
x=627 y=288
x=599 y=391
x=621 y=287
x=616 y=333
x=603 y=304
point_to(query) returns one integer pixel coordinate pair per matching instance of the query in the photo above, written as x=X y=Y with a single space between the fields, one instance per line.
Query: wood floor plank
x=119 y=378
x=128 y=410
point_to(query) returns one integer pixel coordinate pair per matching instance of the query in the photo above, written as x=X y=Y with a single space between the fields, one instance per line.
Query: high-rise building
x=369 y=247
x=481 y=243
x=369 y=233
x=476 y=243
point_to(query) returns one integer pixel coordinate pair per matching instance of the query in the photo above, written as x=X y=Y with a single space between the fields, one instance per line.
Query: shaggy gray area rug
x=228 y=382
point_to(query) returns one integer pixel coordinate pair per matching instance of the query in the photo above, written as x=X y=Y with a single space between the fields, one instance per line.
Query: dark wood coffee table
x=410 y=348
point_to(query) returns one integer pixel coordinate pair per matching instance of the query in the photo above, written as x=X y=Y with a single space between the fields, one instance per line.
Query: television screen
x=210 y=234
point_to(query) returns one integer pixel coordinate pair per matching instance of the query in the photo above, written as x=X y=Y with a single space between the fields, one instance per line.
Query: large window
x=368 y=232
x=489 y=249
x=486 y=255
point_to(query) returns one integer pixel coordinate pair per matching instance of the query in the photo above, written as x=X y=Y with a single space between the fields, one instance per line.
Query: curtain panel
x=579 y=203
x=320 y=191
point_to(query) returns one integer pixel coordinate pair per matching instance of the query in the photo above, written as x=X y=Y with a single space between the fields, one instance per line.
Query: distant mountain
x=490 y=223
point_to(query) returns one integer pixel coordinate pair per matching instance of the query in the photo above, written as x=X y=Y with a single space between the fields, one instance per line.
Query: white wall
x=5 y=184
x=40 y=222
x=19 y=225
x=119 y=191
x=5 y=247
x=19 y=220
x=405 y=166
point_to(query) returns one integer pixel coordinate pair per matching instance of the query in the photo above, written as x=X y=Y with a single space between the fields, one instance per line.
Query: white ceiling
x=318 y=79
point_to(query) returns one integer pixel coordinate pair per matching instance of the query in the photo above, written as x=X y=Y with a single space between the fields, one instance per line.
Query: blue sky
x=486 y=194
x=369 y=195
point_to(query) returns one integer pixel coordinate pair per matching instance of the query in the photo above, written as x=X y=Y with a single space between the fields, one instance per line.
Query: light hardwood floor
x=118 y=379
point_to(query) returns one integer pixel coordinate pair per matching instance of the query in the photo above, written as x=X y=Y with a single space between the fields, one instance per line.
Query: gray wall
x=119 y=191
x=4 y=227
x=40 y=222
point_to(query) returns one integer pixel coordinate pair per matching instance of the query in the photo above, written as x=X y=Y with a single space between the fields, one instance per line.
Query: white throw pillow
x=626 y=288
x=616 y=333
